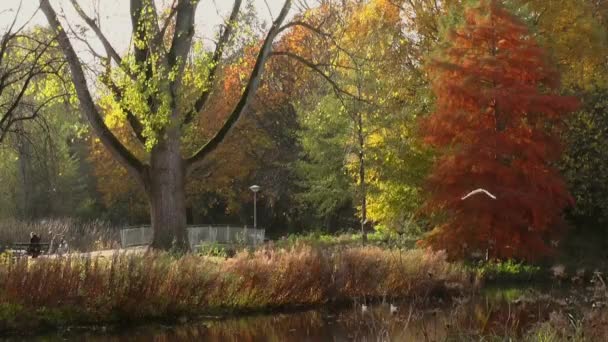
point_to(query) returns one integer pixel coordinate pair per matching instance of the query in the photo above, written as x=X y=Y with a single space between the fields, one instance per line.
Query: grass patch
x=507 y=271
x=382 y=239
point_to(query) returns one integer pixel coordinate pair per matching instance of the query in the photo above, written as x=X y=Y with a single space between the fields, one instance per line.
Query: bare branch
x=19 y=73
x=161 y=34
x=306 y=25
x=316 y=68
x=181 y=42
x=106 y=43
x=269 y=10
x=246 y=97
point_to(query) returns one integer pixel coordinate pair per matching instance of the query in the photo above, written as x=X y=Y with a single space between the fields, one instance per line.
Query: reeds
x=160 y=285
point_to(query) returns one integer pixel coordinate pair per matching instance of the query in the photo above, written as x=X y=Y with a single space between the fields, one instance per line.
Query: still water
x=495 y=312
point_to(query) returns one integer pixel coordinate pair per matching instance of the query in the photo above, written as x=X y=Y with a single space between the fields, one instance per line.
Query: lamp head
x=254 y=188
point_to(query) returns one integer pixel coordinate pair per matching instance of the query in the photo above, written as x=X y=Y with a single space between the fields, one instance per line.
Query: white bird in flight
x=478 y=191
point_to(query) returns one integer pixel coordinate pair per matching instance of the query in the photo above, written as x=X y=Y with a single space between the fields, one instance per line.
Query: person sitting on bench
x=34 y=249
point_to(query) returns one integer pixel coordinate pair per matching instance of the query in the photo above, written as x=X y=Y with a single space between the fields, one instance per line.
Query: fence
x=141 y=236
x=137 y=236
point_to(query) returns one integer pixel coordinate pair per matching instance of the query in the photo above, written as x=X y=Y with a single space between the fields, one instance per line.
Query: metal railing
x=137 y=236
x=141 y=236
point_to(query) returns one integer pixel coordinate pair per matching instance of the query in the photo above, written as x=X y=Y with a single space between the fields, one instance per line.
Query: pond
x=496 y=311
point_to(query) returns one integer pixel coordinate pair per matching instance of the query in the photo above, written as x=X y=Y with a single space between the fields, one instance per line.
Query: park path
x=108 y=253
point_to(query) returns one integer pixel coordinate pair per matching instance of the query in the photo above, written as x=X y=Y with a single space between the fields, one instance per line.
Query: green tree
x=585 y=161
x=379 y=91
x=326 y=182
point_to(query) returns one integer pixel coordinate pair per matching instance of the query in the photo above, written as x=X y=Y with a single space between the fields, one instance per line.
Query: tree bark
x=362 y=183
x=165 y=187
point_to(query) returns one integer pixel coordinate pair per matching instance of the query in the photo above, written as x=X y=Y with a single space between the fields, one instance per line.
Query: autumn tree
x=496 y=124
x=160 y=97
x=574 y=33
x=259 y=149
x=218 y=182
x=359 y=144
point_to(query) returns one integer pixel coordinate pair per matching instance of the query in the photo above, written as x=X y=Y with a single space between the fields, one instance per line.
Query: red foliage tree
x=496 y=125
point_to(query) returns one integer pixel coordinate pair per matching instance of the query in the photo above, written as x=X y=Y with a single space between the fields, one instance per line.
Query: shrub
x=509 y=270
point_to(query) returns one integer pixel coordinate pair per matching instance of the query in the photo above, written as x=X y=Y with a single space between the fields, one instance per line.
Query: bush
x=212 y=249
x=506 y=271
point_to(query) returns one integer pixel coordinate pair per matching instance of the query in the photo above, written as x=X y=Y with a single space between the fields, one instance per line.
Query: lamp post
x=255 y=189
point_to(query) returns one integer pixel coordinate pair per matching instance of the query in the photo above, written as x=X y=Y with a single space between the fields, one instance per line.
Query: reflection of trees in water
x=308 y=325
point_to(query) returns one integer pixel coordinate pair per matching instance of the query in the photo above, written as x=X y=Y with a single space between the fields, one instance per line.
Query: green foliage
x=371 y=121
x=44 y=168
x=585 y=161
x=505 y=271
x=378 y=238
x=324 y=139
x=213 y=250
x=580 y=60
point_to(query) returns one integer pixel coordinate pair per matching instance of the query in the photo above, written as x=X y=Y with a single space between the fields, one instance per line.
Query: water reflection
x=504 y=312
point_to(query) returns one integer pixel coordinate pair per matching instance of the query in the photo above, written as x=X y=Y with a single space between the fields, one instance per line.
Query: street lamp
x=255 y=189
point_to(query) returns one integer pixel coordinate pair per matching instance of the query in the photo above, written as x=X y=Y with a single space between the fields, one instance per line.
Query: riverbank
x=43 y=294
x=493 y=314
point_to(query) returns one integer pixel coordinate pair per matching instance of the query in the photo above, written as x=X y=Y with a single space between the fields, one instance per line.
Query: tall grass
x=160 y=285
x=82 y=236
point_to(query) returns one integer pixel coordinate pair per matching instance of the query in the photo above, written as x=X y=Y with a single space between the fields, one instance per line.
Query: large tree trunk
x=165 y=187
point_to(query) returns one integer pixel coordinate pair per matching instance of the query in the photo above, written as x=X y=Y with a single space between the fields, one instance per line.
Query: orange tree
x=496 y=126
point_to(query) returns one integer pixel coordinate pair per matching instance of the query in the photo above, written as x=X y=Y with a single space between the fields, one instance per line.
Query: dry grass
x=81 y=236
x=159 y=285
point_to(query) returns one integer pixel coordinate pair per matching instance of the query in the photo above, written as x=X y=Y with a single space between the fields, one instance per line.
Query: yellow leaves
x=114 y=116
x=574 y=32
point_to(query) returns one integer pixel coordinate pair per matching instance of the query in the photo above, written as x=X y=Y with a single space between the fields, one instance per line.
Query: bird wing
x=478 y=191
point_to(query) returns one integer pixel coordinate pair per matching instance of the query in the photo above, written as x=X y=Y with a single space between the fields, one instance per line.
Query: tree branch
x=315 y=68
x=106 y=43
x=215 y=61
x=305 y=25
x=181 y=42
x=135 y=124
x=4 y=129
x=158 y=40
x=87 y=106
x=248 y=93
x=139 y=22
x=27 y=76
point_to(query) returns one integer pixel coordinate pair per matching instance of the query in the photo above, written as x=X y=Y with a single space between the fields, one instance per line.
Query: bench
x=23 y=248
